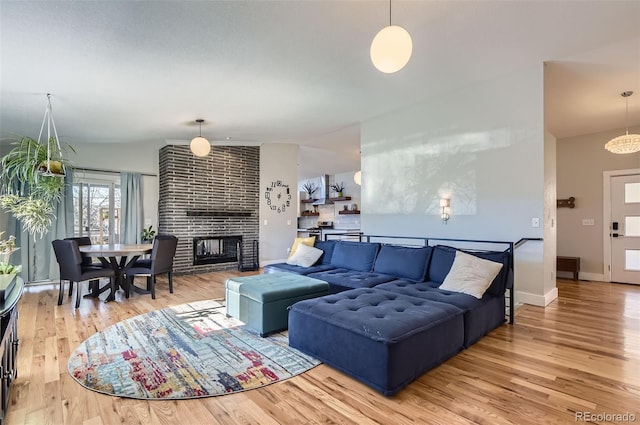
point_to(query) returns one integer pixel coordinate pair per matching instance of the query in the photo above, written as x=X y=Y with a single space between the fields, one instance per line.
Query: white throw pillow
x=470 y=275
x=305 y=256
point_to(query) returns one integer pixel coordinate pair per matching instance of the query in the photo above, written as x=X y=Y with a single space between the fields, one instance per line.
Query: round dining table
x=119 y=257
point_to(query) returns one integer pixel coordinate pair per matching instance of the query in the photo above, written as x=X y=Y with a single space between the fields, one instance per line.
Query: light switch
x=588 y=222
x=535 y=222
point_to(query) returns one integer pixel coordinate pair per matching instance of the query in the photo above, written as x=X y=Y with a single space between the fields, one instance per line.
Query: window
x=96 y=208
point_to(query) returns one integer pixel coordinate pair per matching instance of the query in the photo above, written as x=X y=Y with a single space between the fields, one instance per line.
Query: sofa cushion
x=305 y=256
x=284 y=267
x=351 y=279
x=327 y=247
x=443 y=256
x=499 y=284
x=480 y=316
x=297 y=241
x=402 y=261
x=355 y=255
x=470 y=275
x=425 y=291
x=441 y=261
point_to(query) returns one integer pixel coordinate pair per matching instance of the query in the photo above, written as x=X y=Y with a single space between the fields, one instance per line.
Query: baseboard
x=266 y=263
x=598 y=277
x=534 y=299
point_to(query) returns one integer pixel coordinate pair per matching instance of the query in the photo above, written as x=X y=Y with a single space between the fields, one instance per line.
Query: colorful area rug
x=187 y=351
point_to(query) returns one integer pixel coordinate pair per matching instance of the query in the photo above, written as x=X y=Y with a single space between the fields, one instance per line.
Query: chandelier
x=627 y=143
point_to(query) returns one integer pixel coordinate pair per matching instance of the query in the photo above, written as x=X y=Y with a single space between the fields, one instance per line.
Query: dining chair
x=71 y=268
x=161 y=261
x=86 y=261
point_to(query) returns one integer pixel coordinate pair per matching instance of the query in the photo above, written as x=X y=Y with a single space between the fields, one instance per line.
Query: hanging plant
x=27 y=193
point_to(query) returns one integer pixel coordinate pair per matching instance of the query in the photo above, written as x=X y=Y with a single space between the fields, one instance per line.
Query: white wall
x=277 y=229
x=482 y=147
x=581 y=162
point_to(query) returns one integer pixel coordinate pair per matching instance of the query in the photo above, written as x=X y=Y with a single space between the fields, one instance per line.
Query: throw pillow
x=297 y=241
x=305 y=256
x=470 y=275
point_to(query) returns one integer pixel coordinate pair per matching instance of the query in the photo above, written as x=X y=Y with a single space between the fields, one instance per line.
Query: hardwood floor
x=580 y=354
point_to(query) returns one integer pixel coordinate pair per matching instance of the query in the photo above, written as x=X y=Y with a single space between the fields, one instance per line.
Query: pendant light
x=199 y=145
x=53 y=166
x=627 y=143
x=391 y=48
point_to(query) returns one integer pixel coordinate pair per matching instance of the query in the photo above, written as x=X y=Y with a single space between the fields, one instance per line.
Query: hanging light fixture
x=627 y=143
x=53 y=166
x=199 y=145
x=391 y=48
x=357 y=178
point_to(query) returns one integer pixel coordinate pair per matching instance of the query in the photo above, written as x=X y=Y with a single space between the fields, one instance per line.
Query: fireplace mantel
x=218 y=213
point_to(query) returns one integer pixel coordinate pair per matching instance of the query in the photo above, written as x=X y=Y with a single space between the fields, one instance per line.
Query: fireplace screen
x=216 y=249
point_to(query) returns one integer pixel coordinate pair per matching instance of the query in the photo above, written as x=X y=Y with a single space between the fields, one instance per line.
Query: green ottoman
x=262 y=301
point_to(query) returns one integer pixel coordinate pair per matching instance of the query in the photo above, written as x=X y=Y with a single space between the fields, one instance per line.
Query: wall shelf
x=342 y=198
x=349 y=212
x=309 y=214
x=308 y=201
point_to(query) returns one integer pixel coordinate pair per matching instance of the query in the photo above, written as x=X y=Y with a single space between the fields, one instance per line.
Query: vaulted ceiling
x=299 y=71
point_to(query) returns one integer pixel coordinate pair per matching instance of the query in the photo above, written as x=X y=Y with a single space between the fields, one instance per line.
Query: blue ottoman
x=262 y=301
x=382 y=339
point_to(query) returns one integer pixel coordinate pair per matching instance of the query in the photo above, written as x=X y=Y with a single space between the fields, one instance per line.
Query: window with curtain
x=96 y=208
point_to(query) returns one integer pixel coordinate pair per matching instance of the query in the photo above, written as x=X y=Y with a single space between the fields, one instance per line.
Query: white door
x=625 y=229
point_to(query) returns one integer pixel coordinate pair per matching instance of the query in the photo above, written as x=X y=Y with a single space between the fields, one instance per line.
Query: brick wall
x=226 y=181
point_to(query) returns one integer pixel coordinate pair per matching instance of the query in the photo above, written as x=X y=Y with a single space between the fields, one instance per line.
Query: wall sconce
x=444 y=214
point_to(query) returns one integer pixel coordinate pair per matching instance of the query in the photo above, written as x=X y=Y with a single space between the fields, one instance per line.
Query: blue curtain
x=130 y=207
x=62 y=227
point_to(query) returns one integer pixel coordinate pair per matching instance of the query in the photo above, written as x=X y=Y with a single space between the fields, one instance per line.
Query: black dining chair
x=86 y=260
x=161 y=261
x=71 y=268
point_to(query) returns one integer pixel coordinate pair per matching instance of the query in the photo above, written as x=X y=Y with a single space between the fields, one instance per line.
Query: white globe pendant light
x=391 y=48
x=199 y=145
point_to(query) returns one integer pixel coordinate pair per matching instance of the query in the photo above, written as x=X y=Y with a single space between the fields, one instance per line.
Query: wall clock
x=278 y=196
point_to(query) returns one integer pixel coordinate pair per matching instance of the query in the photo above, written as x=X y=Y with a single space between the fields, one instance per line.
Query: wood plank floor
x=580 y=354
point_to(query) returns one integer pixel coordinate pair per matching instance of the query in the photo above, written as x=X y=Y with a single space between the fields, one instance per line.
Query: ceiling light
x=199 y=145
x=627 y=143
x=391 y=48
x=357 y=178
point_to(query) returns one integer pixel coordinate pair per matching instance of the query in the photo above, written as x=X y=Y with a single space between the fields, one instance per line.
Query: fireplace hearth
x=216 y=249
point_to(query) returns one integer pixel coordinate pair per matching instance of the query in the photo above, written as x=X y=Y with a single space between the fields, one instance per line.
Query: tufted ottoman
x=262 y=301
x=383 y=339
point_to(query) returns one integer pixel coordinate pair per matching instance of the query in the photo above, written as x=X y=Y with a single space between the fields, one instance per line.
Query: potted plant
x=310 y=187
x=32 y=183
x=338 y=188
x=147 y=234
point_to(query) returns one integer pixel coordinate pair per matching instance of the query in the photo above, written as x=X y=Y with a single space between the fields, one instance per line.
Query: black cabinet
x=9 y=344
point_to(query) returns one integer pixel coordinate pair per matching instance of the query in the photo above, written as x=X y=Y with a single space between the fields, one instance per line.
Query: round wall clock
x=278 y=196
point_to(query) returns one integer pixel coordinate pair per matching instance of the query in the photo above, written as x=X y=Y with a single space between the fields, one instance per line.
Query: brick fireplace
x=212 y=199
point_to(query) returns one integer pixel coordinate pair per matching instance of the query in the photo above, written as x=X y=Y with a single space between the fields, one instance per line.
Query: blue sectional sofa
x=386 y=320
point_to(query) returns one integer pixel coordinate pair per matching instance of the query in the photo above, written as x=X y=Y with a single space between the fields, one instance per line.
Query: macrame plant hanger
x=44 y=169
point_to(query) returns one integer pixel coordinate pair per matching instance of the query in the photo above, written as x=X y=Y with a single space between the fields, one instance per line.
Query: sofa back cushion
x=402 y=261
x=441 y=261
x=327 y=247
x=443 y=256
x=355 y=255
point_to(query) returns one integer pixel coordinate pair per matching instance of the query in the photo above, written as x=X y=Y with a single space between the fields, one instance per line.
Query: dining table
x=117 y=256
